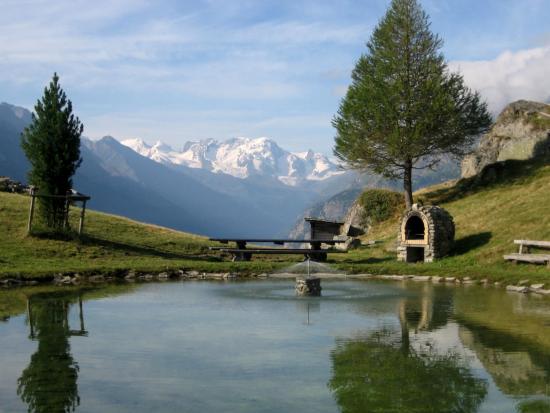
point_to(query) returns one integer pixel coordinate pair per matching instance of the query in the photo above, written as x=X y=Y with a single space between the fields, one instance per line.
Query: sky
x=176 y=70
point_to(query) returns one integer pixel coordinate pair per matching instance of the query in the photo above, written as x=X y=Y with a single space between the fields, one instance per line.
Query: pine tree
x=52 y=145
x=404 y=109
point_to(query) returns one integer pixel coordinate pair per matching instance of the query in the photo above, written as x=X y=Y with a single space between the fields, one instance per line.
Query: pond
x=252 y=346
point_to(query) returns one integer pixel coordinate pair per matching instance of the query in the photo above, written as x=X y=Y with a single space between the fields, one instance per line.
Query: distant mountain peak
x=242 y=157
x=21 y=114
x=163 y=147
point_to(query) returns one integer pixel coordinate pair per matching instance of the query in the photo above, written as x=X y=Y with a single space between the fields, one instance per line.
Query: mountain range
x=235 y=188
x=260 y=198
x=243 y=158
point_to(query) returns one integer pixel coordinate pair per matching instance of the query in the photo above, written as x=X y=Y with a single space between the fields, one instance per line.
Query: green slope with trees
x=509 y=201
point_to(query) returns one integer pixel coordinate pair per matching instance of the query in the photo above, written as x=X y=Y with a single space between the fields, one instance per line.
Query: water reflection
x=391 y=371
x=510 y=336
x=534 y=406
x=383 y=373
x=49 y=383
x=256 y=347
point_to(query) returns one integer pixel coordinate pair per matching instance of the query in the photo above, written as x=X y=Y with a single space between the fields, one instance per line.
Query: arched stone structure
x=426 y=233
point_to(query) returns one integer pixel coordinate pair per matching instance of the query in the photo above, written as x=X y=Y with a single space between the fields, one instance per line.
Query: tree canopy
x=404 y=108
x=52 y=145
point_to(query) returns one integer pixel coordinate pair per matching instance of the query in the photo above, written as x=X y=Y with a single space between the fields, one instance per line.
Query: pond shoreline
x=131 y=276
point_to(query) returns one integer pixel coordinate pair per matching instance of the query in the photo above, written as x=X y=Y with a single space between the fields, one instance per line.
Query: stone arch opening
x=415 y=229
x=425 y=233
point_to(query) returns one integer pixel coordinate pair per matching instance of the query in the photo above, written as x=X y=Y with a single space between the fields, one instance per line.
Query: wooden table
x=242 y=253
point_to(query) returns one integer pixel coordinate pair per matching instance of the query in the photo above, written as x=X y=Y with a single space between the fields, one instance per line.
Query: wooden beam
x=531 y=258
x=31 y=211
x=532 y=243
x=81 y=223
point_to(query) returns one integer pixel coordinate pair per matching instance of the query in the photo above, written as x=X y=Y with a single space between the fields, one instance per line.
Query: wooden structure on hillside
x=324 y=229
x=242 y=253
x=71 y=198
x=524 y=253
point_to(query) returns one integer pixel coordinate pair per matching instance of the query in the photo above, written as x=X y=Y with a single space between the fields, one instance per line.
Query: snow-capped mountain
x=242 y=158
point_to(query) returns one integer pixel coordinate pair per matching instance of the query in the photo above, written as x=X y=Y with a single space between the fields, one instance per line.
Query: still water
x=254 y=347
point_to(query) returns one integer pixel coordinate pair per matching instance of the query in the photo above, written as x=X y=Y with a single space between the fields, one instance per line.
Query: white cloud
x=511 y=76
x=100 y=45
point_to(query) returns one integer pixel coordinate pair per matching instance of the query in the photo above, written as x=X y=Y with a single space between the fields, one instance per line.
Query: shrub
x=380 y=205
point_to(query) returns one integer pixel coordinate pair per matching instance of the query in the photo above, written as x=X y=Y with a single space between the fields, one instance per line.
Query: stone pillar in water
x=308 y=286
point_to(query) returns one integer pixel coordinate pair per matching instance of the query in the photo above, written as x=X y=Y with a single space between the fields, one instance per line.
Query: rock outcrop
x=354 y=221
x=521 y=131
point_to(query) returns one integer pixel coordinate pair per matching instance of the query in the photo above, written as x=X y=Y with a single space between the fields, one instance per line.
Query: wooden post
x=82 y=212
x=29 y=317
x=31 y=211
x=80 y=314
x=66 y=213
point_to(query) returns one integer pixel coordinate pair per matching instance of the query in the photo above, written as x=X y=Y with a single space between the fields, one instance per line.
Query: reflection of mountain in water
x=49 y=383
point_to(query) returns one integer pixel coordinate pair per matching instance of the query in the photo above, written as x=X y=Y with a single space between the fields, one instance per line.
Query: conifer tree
x=404 y=109
x=52 y=145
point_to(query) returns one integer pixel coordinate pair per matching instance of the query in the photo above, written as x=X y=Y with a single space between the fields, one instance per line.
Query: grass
x=111 y=245
x=489 y=213
x=509 y=202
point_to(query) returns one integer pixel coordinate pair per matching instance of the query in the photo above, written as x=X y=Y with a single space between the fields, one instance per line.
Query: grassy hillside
x=110 y=244
x=508 y=202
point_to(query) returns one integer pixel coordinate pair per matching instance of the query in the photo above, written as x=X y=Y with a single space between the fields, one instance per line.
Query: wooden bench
x=242 y=253
x=524 y=254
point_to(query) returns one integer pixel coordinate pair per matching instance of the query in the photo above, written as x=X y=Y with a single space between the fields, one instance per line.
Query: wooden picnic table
x=242 y=253
x=524 y=254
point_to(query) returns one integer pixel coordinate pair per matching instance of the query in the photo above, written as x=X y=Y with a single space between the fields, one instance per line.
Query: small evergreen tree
x=404 y=109
x=52 y=145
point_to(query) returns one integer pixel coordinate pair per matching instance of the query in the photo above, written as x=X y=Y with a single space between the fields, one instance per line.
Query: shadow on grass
x=471 y=242
x=144 y=250
x=370 y=260
x=55 y=235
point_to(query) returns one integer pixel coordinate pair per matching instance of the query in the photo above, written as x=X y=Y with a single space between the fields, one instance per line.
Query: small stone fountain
x=308 y=275
x=308 y=285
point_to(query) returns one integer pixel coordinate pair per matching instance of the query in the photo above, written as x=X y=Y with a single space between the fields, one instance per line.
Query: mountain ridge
x=242 y=158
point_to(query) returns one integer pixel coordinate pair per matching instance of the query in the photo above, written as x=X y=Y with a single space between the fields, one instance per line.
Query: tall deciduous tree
x=52 y=145
x=404 y=109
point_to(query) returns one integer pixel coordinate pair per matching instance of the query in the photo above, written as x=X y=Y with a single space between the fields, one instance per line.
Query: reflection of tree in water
x=534 y=406
x=49 y=383
x=386 y=373
x=429 y=311
x=382 y=373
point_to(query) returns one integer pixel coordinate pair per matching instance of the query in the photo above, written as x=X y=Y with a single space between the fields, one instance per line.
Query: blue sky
x=181 y=70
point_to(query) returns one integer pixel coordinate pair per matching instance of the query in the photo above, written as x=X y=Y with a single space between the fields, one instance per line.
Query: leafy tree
x=49 y=383
x=383 y=373
x=52 y=145
x=404 y=109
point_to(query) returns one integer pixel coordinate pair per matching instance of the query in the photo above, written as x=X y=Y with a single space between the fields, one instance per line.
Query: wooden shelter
x=70 y=198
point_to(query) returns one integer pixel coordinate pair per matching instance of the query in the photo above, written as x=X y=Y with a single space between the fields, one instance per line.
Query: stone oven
x=426 y=233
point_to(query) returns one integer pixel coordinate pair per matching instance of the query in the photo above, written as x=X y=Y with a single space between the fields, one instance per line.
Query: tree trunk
x=407 y=184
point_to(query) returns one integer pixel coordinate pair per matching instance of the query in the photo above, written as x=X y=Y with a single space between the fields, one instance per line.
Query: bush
x=380 y=205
